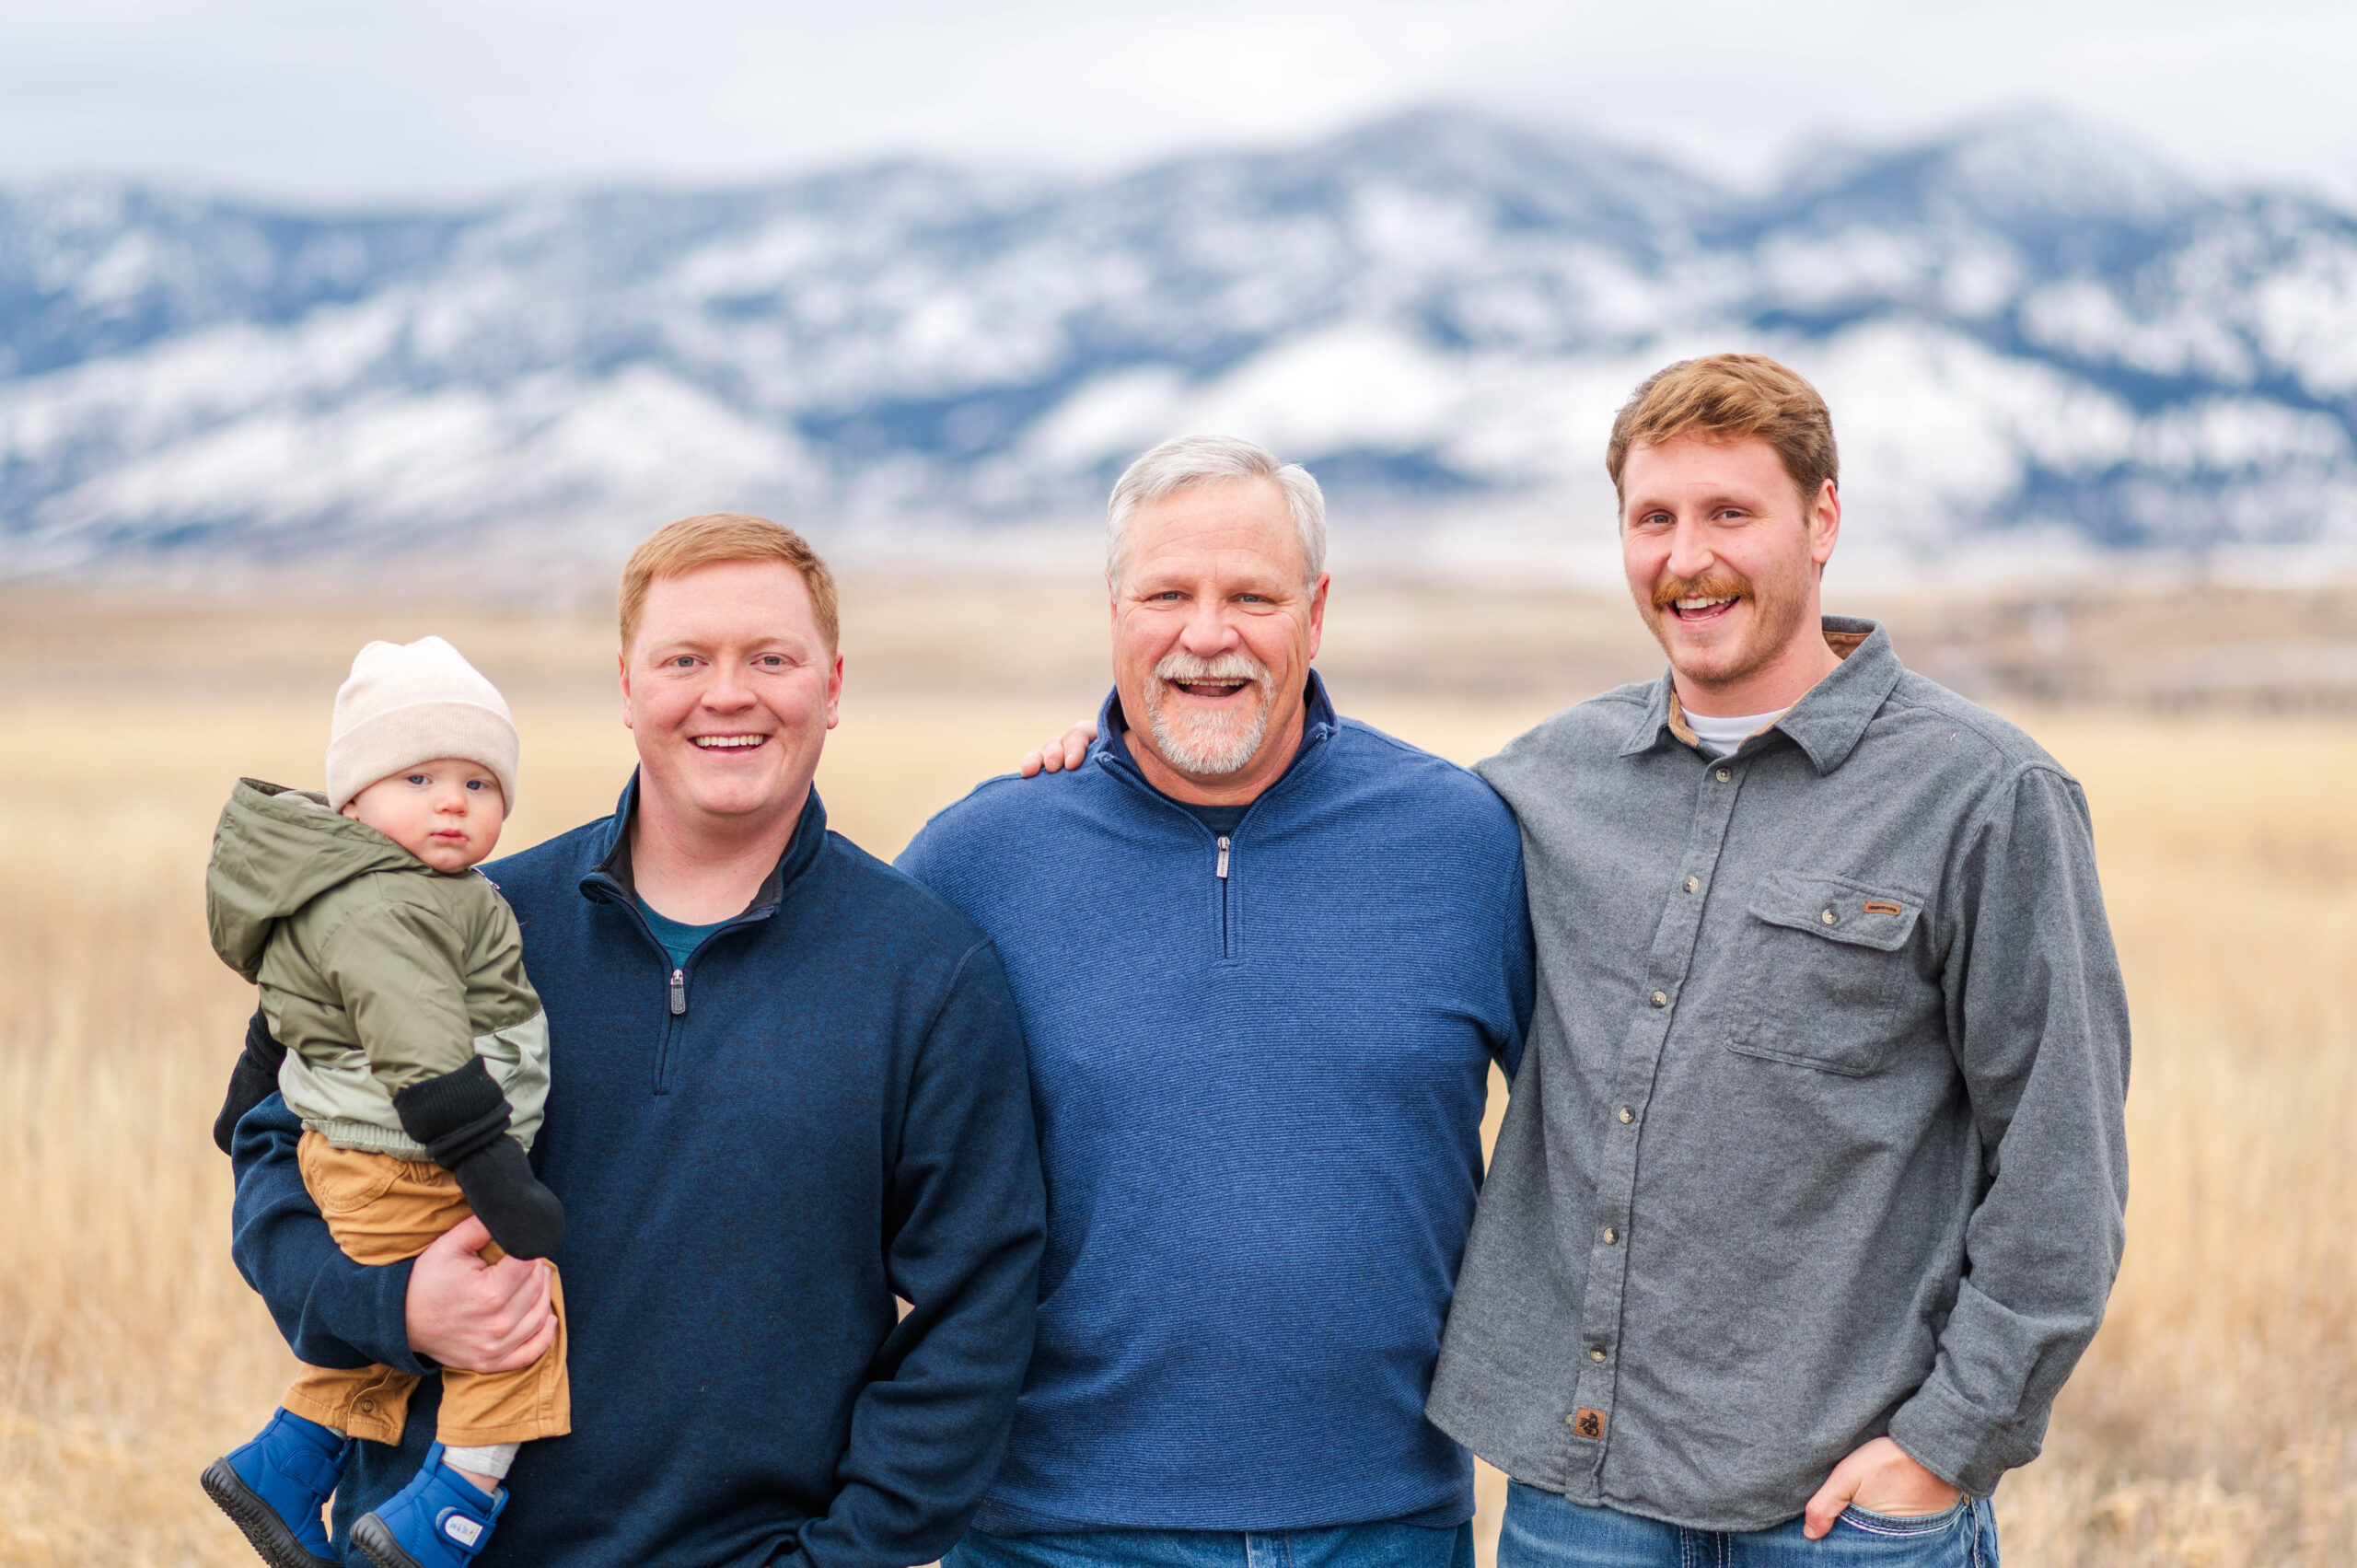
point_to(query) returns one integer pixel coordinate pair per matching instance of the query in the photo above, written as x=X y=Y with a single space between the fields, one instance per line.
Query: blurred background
x=323 y=321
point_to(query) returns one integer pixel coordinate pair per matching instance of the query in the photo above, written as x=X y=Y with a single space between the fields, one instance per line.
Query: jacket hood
x=275 y=850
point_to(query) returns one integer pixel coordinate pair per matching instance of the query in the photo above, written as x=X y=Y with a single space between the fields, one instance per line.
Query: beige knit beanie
x=410 y=703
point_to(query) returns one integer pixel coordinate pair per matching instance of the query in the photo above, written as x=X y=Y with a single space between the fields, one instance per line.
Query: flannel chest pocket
x=1824 y=973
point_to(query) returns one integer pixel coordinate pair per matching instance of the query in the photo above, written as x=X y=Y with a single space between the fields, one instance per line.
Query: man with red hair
x=1811 y=1192
x=788 y=1121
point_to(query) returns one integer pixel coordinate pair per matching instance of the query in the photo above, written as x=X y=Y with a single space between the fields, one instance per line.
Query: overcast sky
x=435 y=99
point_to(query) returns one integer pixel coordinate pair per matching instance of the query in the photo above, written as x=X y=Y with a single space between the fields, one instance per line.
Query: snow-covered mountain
x=2031 y=335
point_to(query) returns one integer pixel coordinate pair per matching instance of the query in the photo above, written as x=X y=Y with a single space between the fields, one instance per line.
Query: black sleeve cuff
x=455 y=1116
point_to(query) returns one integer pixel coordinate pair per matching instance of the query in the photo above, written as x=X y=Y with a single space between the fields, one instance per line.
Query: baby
x=417 y=1057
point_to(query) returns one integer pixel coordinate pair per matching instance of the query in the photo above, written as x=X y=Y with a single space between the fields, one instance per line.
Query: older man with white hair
x=1264 y=958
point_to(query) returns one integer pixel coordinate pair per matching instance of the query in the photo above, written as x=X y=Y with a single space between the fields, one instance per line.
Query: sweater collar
x=610 y=876
x=1830 y=717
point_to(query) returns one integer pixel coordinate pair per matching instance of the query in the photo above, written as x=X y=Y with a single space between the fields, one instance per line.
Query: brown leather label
x=1587 y=1423
x=1881 y=906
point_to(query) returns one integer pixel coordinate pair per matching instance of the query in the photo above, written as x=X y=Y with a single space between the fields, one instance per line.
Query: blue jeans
x=1543 y=1531
x=1346 y=1546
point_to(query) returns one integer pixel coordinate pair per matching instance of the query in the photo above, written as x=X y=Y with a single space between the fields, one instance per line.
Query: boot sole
x=263 y=1529
x=378 y=1545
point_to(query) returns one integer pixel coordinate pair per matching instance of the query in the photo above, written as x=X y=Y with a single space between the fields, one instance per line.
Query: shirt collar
x=1830 y=717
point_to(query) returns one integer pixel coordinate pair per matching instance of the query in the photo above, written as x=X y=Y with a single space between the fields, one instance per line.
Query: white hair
x=1184 y=461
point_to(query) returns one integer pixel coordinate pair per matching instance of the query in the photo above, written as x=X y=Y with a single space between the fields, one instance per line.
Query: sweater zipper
x=1130 y=776
x=676 y=994
x=675 y=997
x=1226 y=943
x=675 y=986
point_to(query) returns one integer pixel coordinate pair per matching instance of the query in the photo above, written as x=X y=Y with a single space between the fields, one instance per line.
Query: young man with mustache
x=1811 y=1192
x=1264 y=957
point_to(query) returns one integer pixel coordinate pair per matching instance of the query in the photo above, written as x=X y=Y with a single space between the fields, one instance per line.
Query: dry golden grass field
x=2214 y=1421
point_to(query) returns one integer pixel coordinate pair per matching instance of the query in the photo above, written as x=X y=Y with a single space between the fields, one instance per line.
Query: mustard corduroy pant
x=382 y=1210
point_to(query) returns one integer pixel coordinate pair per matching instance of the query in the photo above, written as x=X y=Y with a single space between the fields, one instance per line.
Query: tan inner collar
x=1843 y=645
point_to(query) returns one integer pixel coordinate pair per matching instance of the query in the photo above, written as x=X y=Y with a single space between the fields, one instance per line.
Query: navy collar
x=611 y=877
x=1318 y=723
x=1831 y=716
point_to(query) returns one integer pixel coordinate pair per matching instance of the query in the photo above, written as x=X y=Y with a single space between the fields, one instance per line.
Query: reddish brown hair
x=1731 y=397
x=676 y=549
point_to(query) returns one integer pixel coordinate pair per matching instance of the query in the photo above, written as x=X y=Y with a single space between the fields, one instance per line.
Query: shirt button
x=1596 y=1355
x=1611 y=1235
x=1627 y=1115
x=1693 y=884
x=1661 y=998
x=1725 y=776
x=1826 y=917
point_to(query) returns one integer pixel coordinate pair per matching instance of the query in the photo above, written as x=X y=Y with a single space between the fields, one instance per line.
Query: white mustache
x=1180 y=666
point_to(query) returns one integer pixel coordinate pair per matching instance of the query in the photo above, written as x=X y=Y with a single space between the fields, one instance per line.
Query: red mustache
x=1669 y=590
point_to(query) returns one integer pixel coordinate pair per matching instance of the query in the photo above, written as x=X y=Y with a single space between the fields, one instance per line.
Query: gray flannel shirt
x=1818 y=1133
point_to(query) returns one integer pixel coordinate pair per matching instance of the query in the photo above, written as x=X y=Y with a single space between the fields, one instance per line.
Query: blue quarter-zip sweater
x=1257 y=1065
x=823 y=1107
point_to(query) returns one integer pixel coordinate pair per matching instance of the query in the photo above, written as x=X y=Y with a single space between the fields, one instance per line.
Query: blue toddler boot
x=438 y=1520
x=274 y=1487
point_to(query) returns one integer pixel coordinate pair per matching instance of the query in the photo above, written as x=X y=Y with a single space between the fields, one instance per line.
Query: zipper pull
x=1222 y=872
x=679 y=991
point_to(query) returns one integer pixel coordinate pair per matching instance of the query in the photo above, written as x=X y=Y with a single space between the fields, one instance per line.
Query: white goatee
x=1213 y=744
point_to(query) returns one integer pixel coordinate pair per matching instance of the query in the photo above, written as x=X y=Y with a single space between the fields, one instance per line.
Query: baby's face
x=446 y=812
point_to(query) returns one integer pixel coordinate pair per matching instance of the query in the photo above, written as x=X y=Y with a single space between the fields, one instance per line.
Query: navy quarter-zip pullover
x=823 y=1109
x=1258 y=1060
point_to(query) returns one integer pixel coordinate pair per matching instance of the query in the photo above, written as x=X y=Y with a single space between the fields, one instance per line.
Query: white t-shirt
x=1721 y=737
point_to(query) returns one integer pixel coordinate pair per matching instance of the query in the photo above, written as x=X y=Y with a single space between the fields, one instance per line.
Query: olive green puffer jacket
x=377 y=972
